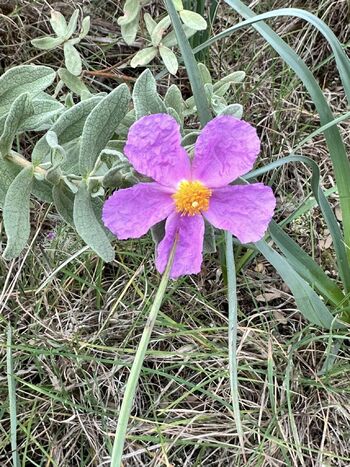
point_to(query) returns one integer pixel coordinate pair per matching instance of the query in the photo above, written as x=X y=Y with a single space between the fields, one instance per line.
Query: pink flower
x=185 y=192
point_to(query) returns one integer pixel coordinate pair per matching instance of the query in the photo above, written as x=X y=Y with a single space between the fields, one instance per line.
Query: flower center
x=191 y=198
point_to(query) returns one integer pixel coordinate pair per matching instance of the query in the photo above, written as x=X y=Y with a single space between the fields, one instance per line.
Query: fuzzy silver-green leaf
x=16 y=213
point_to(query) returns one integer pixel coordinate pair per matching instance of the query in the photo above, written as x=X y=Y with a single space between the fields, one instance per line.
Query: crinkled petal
x=154 y=149
x=243 y=210
x=188 y=253
x=130 y=213
x=226 y=149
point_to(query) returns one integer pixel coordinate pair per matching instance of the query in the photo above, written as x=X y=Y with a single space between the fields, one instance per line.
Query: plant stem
x=17 y=159
x=232 y=335
x=131 y=385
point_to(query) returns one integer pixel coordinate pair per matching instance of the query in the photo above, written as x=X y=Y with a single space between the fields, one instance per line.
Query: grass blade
x=305 y=266
x=131 y=385
x=331 y=221
x=308 y=302
x=333 y=138
x=12 y=399
x=191 y=66
x=232 y=336
x=341 y=59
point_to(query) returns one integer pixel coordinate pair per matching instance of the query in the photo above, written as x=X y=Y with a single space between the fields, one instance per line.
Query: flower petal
x=154 y=149
x=188 y=254
x=130 y=213
x=225 y=150
x=243 y=210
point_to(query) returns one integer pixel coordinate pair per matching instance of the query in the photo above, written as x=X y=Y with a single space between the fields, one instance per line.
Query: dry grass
x=75 y=338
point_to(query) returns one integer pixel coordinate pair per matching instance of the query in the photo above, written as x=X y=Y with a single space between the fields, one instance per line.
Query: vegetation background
x=75 y=336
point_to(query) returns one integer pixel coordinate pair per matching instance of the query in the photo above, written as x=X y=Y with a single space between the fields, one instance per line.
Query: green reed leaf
x=308 y=302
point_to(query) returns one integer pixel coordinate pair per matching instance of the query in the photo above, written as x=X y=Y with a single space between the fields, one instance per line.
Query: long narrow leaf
x=308 y=302
x=12 y=399
x=232 y=335
x=191 y=65
x=327 y=212
x=131 y=386
x=305 y=265
x=334 y=141
x=341 y=59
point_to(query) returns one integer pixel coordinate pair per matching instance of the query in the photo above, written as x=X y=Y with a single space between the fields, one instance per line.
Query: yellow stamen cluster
x=191 y=198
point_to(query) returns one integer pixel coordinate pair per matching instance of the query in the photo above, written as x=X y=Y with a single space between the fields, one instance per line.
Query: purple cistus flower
x=185 y=192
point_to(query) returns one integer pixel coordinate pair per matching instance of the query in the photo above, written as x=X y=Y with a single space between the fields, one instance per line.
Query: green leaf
x=8 y=172
x=308 y=302
x=170 y=39
x=63 y=199
x=174 y=114
x=72 y=82
x=25 y=78
x=218 y=104
x=205 y=74
x=68 y=127
x=42 y=190
x=143 y=57
x=58 y=23
x=178 y=5
x=131 y=11
x=193 y=20
x=235 y=78
x=129 y=30
x=45 y=109
x=169 y=59
x=126 y=123
x=74 y=40
x=159 y=30
x=342 y=60
x=305 y=266
x=334 y=141
x=209 y=243
x=150 y=23
x=47 y=42
x=72 y=25
x=16 y=213
x=58 y=152
x=89 y=226
x=145 y=96
x=116 y=177
x=158 y=232
x=221 y=90
x=21 y=109
x=332 y=224
x=235 y=110
x=100 y=126
x=173 y=98
x=72 y=59
x=191 y=66
x=190 y=138
x=85 y=27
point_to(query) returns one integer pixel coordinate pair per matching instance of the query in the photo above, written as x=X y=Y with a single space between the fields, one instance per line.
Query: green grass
x=75 y=335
